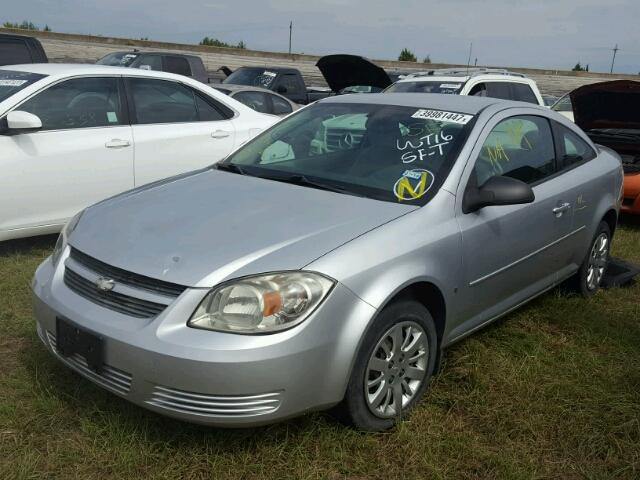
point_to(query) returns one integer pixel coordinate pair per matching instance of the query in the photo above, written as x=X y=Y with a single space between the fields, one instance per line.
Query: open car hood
x=613 y=104
x=342 y=71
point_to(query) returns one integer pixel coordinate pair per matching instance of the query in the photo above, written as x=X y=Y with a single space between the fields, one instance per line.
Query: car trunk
x=609 y=112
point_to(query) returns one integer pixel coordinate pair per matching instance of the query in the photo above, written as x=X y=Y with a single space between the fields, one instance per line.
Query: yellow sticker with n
x=413 y=184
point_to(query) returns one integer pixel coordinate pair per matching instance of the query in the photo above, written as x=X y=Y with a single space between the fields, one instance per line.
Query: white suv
x=481 y=82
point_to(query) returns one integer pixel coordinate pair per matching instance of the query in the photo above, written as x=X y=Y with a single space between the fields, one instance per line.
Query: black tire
x=580 y=281
x=354 y=409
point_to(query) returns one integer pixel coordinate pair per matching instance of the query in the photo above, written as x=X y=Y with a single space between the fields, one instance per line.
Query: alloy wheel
x=598 y=258
x=396 y=369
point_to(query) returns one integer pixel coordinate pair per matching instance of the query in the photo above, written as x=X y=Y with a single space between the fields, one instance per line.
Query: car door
x=82 y=154
x=176 y=128
x=511 y=253
x=583 y=189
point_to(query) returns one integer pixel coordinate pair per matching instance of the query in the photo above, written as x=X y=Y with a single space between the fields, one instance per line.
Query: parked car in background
x=609 y=113
x=19 y=49
x=549 y=100
x=72 y=135
x=296 y=275
x=260 y=99
x=343 y=74
x=178 y=63
x=478 y=82
x=285 y=81
x=563 y=106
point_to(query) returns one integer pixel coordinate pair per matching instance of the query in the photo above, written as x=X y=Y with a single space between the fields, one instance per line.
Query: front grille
x=111 y=378
x=342 y=139
x=214 y=405
x=125 y=277
x=125 y=304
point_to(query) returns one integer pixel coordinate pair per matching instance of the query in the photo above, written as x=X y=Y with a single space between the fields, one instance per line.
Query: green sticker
x=112 y=117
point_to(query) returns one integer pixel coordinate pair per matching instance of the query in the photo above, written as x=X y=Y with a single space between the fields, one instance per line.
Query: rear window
x=255 y=77
x=12 y=82
x=451 y=88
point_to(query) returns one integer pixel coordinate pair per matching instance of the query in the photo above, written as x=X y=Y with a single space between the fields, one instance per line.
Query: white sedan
x=72 y=135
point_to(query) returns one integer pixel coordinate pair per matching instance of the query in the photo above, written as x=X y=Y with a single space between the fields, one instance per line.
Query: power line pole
x=615 y=50
x=290 y=30
x=469 y=59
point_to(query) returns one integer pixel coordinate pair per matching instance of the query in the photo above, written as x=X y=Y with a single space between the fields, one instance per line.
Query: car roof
x=154 y=52
x=68 y=69
x=270 y=68
x=236 y=88
x=436 y=101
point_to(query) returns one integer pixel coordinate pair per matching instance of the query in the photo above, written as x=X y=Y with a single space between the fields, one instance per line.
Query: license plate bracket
x=71 y=340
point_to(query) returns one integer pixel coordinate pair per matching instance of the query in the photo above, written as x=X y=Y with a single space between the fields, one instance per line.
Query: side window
x=162 y=101
x=280 y=106
x=572 y=148
x=479 y=90
x=78 y=103
x=290 y=82
x=174 y=64
x=255 y=100
x=523 y=93
x=149 y=62
x=207 y=111
x=563 y=105
x=499 y=90
x=518 y=147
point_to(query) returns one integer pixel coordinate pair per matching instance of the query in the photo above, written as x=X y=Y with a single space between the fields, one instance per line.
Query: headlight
x=61 y=244
x=262 y=304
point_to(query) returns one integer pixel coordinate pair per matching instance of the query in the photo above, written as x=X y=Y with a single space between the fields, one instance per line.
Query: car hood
x=200 y=229
x=342 y=71
x=613 y=104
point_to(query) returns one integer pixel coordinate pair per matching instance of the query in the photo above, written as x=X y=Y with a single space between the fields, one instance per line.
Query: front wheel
x=589 y=277
x=393 y=367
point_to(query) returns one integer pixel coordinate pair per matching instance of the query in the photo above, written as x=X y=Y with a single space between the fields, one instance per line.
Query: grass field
x=550 y=391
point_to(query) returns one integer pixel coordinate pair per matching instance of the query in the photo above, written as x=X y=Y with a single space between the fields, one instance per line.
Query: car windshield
x=385 y=152
x=452 y=88
x=12 y=82
x=255 y=77
x=118 y=59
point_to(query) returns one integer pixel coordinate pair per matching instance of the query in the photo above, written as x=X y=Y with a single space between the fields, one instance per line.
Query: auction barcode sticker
x=441 y=115
x=12 y=83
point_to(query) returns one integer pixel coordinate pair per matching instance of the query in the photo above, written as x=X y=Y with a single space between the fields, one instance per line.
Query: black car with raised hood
x=609 y=113
x=343 y=74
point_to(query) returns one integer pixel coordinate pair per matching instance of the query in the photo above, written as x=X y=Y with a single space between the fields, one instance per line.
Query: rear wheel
x=589 y=277
x=392 y=368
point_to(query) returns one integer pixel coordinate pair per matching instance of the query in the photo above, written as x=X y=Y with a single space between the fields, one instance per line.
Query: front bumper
x=207 y=377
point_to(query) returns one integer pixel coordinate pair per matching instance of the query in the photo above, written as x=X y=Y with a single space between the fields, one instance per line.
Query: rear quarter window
x=523 y=93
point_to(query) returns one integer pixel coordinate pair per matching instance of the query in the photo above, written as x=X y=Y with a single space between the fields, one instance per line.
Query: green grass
x=550 y=391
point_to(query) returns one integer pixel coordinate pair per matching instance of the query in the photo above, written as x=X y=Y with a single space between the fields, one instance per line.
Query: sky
x=553 y=34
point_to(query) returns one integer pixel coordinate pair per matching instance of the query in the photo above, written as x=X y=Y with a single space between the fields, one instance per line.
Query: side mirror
x=497 y=191
x=21 y=122
x=281 y=89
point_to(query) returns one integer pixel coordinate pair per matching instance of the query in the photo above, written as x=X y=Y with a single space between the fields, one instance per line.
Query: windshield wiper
x=230 y=167
x=304 y=181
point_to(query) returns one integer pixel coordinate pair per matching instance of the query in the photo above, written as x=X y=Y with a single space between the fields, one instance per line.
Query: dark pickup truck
x=343 y=74
x=181 y=64
x=17 y=49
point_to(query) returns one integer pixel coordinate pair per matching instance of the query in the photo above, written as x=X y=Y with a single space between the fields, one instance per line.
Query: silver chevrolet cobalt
x=329 y=261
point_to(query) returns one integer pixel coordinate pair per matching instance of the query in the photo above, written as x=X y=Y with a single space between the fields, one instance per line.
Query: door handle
x=220 y=134
x=117 y=143
x=560 y=209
